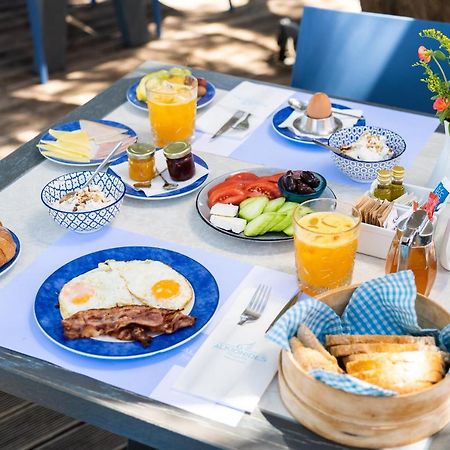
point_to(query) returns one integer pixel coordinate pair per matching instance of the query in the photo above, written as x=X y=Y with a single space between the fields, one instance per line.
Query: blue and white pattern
x=280 y=116
x=365 y=171
x=74 y=126
x=140 y=195
x=201 y=101
x=11 y=262
x=49 y=318
x=385 y=305
x=81 y=221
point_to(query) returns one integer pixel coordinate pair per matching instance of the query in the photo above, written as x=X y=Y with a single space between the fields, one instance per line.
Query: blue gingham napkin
x=385 y=305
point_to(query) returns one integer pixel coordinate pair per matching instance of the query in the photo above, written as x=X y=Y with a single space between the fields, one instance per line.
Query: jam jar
x=141 y=162
x=180 y=161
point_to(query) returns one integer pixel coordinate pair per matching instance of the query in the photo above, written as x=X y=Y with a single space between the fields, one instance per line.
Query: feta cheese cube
x=235 y=224
x=223 y=209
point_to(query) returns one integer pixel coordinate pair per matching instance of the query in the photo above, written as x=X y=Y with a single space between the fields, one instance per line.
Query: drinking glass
x=325 y=240
x=172 y=106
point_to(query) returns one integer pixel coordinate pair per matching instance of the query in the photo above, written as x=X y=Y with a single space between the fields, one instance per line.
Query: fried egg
x=98 y=288
x=154 y=283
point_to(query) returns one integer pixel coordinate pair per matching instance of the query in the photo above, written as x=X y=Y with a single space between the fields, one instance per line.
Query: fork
x=257 y=305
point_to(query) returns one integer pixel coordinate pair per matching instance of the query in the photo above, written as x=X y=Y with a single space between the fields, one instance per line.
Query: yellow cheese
x=65 y=147
x=59 y=153
x=71 y=158
x=77 y=137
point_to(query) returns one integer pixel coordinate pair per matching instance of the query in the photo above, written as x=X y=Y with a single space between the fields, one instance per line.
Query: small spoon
x=146 y=184
x=301 y=106
x=338 y=151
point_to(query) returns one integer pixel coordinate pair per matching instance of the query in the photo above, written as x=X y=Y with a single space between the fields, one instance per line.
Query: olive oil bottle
x=383 y=188
x=397 y=187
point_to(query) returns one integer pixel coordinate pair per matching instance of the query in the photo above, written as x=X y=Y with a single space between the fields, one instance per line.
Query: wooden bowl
x=366 y=421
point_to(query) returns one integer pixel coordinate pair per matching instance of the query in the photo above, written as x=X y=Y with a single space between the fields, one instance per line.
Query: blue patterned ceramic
x=83 y=221
x=140 y=195
x=365 y=171
x=280 y=116
x=11 y=262
x=74 y=126
x=48 y=316
x=201 y=102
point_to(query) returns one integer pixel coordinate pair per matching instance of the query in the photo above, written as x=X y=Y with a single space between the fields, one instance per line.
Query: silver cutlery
x=167 y=186
x=287 y=306
x=257 y=305
x=338 y=151
x=233 y=120
x=244 y=124
x=147 y=184
x=301 y=106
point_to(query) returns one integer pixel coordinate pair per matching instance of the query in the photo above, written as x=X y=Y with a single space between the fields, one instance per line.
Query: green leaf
x=434 y=97
x=438 y=54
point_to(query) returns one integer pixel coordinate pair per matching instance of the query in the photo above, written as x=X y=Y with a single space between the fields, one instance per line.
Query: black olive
x=310 y=179
x=290 y=184
x=303 y=188
x=297 y=174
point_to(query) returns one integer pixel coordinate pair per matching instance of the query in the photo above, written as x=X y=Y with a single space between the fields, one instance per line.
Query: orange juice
x=325 y=247
x=172 y=105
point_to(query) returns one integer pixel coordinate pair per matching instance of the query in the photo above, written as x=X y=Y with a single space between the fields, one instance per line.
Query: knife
x=237 y=116
x=287 y=306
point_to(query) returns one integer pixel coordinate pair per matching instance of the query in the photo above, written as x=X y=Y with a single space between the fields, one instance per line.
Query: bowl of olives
x=301 y=185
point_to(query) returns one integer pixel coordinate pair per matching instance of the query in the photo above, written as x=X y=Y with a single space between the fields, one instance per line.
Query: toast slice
x=309 y=339
x=347 y=339
x=345 y=350
x=407 y=357
x=311 y=359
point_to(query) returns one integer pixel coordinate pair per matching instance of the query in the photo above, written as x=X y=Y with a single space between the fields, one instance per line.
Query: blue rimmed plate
x=74 y=126
x=48 y=316
x=11 y=262
x=201 y=102
x=280 y=116
x=120 y=167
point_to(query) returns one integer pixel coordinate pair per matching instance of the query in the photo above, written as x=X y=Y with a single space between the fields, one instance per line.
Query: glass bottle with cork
x=397 y=187
x=382 y=190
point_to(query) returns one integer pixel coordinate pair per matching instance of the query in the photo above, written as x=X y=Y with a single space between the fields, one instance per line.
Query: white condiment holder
x=375 y=241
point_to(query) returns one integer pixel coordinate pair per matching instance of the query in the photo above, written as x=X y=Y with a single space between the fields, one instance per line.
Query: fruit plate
x=11 y=262
x=204 y=210
x=201 y=102
x=74 y=126
x=280 y=116
x=48 y=316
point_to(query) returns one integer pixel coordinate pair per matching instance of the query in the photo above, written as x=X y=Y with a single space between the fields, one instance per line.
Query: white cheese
x=235 y=224
x=224 y=209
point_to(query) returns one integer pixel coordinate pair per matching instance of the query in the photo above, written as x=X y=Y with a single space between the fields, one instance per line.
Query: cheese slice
x=77 y=137
x=71 y=158
x=65 y=147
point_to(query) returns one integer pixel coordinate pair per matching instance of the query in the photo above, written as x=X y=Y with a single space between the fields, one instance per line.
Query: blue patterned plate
x=201 y=102
x=74 y=126
x=140 y=195
x=280 y=116
x=10 y=263
x=48 y=316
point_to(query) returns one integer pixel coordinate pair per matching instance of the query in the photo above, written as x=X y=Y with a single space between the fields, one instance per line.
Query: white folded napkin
x=157 y=183
x=257 y=99
x=346 y=120
x=236 y=363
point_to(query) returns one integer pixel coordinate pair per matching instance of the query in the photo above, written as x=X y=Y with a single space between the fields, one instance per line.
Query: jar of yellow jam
x=141 y=162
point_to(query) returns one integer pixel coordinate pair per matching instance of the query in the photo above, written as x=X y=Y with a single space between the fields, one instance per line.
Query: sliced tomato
x=272 y=178
x=266 y=188
x=243 y=176
x=229 y=184
x=227 y=195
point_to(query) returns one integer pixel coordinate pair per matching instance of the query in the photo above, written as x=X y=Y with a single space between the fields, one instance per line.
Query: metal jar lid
x=176 y=150
x=140 y=151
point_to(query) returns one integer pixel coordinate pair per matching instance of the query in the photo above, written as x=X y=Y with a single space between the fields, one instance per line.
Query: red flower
x=424 y=54
x=441 y=104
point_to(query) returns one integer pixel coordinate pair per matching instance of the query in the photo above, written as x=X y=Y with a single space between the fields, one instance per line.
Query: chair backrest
x=363 y=56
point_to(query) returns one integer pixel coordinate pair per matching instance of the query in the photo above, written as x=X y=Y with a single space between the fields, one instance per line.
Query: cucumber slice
x=259 y=225
x=247 y=201
x=288 y=207
x=289 y=230
x=303 y=210
x=253 y=209
x=275 y=204
x=285 y=221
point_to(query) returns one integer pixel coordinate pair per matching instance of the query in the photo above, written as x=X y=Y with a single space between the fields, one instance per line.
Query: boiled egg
x=319 y=106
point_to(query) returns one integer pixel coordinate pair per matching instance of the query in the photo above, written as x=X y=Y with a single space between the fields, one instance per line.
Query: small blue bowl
x=83 y=221
x=300 y=198
x=365 y=171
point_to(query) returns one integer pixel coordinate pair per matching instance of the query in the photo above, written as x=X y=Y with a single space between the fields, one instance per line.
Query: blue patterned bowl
x=365 y=171
x=83 y=221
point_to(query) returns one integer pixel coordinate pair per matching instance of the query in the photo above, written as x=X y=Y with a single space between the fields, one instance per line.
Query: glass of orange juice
x=172 y=105
x=325 y=239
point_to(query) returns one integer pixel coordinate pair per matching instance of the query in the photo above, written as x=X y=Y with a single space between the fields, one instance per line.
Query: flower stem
x=440 y=68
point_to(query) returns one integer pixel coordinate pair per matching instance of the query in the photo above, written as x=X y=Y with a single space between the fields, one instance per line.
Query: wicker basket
x=367 y=421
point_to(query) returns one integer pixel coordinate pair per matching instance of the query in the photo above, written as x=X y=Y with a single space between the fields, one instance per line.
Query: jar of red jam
x=180 y=161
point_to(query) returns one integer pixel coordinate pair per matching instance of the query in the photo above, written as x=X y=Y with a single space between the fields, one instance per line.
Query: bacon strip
x=135 y=322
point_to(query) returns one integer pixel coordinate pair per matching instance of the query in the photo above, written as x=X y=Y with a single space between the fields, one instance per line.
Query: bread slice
x=311 y=359
x=346 y=350
x=348 y=339
x=309 y=339
x=413 y=356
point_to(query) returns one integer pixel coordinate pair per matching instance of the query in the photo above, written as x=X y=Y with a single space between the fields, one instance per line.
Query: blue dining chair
x=363 y=56
x=40 y=61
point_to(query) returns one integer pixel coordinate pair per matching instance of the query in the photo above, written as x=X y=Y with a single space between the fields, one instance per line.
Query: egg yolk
x=80 y=299
x=164 y=289
x=78 y=293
